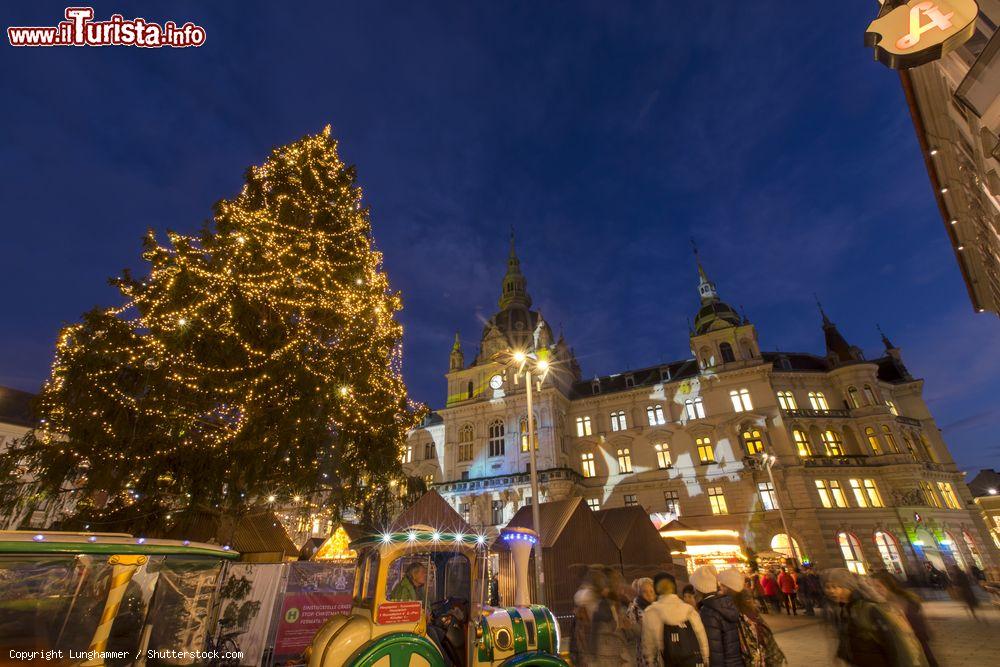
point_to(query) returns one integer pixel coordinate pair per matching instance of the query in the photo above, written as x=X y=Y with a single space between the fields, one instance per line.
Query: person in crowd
x=720 y=617
x=586 y=601
x=787 y=587
x=935 y=577
x=963 y=589
x=672 y=631
x=756 y=588
x=609 y=645
x=870 y=632
x=644 y=595
x=910 y=606
x=411 y=585
x=810 y=589
x=757 y=644
x=691 y=596
x=769 y=584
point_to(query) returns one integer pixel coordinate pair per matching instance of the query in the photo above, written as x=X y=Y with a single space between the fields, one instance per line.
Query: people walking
x=609 y=645
x=672 y=631
x=810 y=589
x=911 y=607
x=758 y=647
x=645 y=595
x=757 y=590
x=963 y=589
x=787 y=587
x=870 y=633
x=720 y=617
x=771 y=593
x=586 y=602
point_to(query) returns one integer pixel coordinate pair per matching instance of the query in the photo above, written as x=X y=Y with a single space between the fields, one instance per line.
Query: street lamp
x=768 y=460
x=530 y=363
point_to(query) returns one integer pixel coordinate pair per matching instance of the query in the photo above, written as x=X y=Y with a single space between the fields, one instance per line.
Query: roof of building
x=552 y=516
x=985 y=480
x=257 y=531
x=620 y=521
x=431 y=510
x=15 y=407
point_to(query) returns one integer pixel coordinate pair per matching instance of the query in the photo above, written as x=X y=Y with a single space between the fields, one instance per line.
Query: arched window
x=662 y=456
x=802 y=442
x=928 y=450
x=753 y=440
x=817 y=401
x=654 y=413
x=469 y=390
x=726 y=352
x=618 y=421
x=890 y=441
x=705 y=452
x=496 y=445
x=869 y=395
x=694 y=408
x=587 y=464
x=524 y=433
x=786 y=400
x=707 y=359
x=951 y=545
x=465 y=437
x=888 y=549
x=970 y=544
x=832 y=443
x=741 y=400
x=624 y=461
x=850 y=547
x=892 y=408
x=430 y=451
x=852 y=397
x=780 y=544
x=873 y=441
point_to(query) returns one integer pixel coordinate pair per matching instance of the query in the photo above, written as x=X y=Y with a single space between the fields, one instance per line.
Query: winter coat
x=608 y=644
x=721 y=619
x=809 y=585
x=786 y=583
x=634 y=614
x=872 y=635
x=669 y=610
x=769 y=585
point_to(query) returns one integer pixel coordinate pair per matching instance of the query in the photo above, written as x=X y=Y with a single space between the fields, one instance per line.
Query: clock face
x=496 y=381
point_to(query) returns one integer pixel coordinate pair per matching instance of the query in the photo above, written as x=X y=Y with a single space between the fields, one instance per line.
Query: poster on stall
x=246 y=604
x=314 y=593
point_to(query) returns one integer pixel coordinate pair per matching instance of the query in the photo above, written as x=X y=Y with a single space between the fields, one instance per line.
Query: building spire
x=826 y=320
x=837 y=347
x=885 y=340
x=515 y=287
x=706 y=288
x=457 y=360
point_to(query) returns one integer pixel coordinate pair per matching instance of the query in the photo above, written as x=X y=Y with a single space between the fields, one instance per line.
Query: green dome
x=715 y=315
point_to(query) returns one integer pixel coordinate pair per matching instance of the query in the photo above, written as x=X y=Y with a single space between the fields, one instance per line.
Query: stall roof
x=258 y=531
x=618 y=522
x=430 y=510
x=553 y=517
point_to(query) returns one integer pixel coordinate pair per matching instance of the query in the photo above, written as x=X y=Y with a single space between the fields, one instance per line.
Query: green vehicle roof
x=54 y=542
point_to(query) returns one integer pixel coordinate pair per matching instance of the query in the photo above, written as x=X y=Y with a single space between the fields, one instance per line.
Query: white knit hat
x=732 y=579
x=704 y=579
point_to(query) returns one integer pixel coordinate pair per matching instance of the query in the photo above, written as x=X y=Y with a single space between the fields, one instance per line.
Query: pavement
x=958 y=640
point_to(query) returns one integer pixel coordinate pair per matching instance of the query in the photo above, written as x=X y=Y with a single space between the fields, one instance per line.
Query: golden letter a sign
x=921 y=31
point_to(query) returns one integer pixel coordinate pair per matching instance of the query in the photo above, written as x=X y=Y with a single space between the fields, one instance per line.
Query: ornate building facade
x=860 y=472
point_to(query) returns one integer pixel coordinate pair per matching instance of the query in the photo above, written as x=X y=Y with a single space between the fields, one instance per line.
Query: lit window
x=873 y=441
x=655 y=415
x=786 y=400
x=496 y=446
x=594 y=504
x=970 y=544
x=694 y=408
x=824 y=493
x=817 y=400
x=874 y=497
x=851 y=549
x=524 y=434
x=624 y=462
x=839 y=499
x=497 y=512
x=930 y=497
x=852 y=397
x=890 y=441
x=662 y=456
x=631 y=500
x=948 y=495
x=767 y=498
x=407 y=455
x=705 y=453
x=909 y=446
x=892 y=408
x=889 y=551
x=928 y=450
x=463 y=509
x=718 y=500
x=673 y=502
x=859 y=494
x=741 y=400
x=802 y=442
x=753 y=441
x=583 y=427
x=869 y=395
x=618 y=421
x=832 y=443
x=587 y=464
x=465 y=443
x=428 y=480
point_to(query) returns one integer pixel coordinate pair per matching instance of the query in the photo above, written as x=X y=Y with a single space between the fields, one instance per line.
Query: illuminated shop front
x=720 y=547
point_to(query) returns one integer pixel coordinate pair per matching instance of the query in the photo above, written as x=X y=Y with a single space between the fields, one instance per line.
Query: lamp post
x=769 y=460
x=526 y=363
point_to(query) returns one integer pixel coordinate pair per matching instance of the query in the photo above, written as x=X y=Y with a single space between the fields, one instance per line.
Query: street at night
x=572 y=334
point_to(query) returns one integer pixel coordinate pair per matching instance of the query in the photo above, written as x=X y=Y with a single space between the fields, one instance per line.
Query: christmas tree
x=258 y=362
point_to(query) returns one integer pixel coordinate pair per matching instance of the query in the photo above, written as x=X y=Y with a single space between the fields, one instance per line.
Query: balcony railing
x=505 y=481
x=909 y=421
x=810 y=412
x=842 y=460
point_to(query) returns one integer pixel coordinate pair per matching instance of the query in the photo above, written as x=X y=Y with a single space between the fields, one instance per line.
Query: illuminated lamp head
x=520 y=356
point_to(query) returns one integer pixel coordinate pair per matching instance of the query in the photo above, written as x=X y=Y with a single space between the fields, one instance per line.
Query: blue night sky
x=606 y=136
